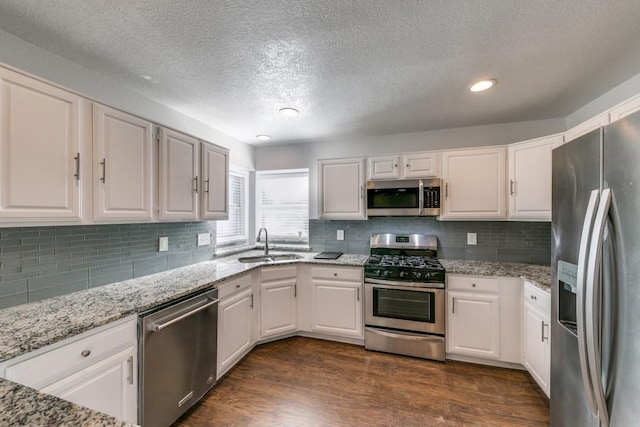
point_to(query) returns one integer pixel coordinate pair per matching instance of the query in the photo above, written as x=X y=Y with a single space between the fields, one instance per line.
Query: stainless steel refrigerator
x=595 y=326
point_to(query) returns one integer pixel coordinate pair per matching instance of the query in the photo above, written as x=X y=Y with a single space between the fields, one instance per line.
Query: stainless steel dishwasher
x=178 y=343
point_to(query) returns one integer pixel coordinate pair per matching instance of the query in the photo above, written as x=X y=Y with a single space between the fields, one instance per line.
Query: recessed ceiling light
x=263 y=137
x=146 y=77
x=289 y=112
x=482 y=85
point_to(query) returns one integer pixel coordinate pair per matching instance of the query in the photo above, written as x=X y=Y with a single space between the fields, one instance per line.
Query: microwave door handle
x=420 y=197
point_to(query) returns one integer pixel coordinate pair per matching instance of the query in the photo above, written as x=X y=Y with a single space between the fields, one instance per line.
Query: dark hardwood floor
x=307 y=382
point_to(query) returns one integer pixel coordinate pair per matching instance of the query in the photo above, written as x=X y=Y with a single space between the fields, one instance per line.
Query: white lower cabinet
x=536 y=348
x=96 y=369
x=278 y=291
x=483 y=318
x=236 y=320
x=337 y=301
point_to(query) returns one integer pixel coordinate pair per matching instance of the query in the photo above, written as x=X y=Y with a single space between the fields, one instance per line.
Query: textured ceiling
x=350 y=67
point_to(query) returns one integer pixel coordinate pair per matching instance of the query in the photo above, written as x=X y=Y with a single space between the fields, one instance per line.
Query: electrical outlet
x=204 y=239
x=340 y=235
x=163 y=244
x=472 y=238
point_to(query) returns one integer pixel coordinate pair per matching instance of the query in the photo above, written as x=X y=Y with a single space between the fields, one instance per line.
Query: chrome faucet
x=266 y=240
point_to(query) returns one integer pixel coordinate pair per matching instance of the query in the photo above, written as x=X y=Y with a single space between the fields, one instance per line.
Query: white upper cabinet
x=215 y=182
x=587 y=126
x=123 y=173
x=384 y=167
x=40 y=151
x=412 y=165
x=341 y=189
x=473 y=182
x=420 y=165
x=179 y=166
x=529 y=185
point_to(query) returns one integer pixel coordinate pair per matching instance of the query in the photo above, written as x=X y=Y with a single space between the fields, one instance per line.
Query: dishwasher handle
x=157 y=327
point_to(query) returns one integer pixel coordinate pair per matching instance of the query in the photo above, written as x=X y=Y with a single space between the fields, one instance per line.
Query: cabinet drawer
x=337 y=273
x=43 y=369
x=473 y=284
x=537 y=297
x=232 y=286
x=278 y=273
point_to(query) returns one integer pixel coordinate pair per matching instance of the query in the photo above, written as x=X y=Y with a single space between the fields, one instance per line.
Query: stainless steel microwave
x=404 y=197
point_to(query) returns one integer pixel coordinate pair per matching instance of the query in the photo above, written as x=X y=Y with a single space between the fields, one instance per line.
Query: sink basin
x=269 y=258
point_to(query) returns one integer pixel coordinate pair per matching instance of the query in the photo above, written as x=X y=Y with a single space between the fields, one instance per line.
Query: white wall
x=17 y=53
x=610 y=99
x=294 y=156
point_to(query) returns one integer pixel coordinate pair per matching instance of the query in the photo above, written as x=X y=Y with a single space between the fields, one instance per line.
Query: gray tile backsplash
x=42 y=262
x=528 y=242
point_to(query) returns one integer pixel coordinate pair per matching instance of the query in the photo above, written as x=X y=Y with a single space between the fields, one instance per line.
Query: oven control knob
x=376 y=272
x=417 y=274
x=385 y=273
x=403 y=274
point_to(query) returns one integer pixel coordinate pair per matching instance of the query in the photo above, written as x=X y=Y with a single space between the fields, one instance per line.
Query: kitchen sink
x=269 y=258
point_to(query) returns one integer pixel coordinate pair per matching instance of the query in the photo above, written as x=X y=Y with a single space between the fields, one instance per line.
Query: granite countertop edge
x=538 y=275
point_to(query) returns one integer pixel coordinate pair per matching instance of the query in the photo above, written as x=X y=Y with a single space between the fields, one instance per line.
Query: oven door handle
x=391 y=284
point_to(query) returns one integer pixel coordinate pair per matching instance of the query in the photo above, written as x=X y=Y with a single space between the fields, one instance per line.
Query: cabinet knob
x=533 y=297
x=335 y=274
x=237 y=286
x=473 y=284
x=85 y=353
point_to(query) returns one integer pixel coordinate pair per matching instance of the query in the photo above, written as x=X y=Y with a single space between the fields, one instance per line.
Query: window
x=282 y=205
x=234 y=231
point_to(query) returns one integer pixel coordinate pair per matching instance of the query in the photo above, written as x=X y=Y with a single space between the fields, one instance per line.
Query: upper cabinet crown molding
x=122 y=159
x=341 y=189
x=587 y=126
x=40 y=151
x=473 y=184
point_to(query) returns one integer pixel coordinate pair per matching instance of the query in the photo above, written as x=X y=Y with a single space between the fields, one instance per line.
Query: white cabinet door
x=179 y=165
x=474 y=184
x=215 y=181
x=278 y=314
x=536 y=351
x=235 y=324
x=337 y=308
x=420 y=165
x=108 y=386
x=40 y=150
x=473 y=324
x=384 y=167
x=530 y=179
x=123 y=176
x=341 y=189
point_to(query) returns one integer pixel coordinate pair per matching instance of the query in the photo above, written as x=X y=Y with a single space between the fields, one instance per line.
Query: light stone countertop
x=539 y=275
x=27 y=327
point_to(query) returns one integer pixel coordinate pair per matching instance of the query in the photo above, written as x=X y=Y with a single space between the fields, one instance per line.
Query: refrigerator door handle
x=592 y=307
x=587 y=227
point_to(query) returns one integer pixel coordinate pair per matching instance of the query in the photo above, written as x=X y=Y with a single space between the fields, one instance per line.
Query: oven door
x=409 y=308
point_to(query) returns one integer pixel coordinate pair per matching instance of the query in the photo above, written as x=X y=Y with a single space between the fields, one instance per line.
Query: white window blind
x=234 y=230
x=282 y=205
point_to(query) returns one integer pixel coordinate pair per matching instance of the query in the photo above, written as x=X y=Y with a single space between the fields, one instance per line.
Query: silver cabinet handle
x=358 y=294
x=104 y=171
x=206 y=187
x=195 y=184
x=251 y=304
x=592 y=306
x=85 y=353
x=77 y=174
x=453 y=306
x=511 y=187
x=295 y=290
x=544 y=325
x=130 y=366
x=361 y=192
x=587 y=225
x=446 y=190
x=407 y=164
x=155 y=327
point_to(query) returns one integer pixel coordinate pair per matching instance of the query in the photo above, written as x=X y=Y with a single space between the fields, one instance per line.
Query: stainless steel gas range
x=404 y=296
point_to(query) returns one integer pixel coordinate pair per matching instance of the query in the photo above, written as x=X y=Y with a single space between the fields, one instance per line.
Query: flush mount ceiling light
x=263 y=137
x=146 y=77
x=482 y=85
x=289 y=112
